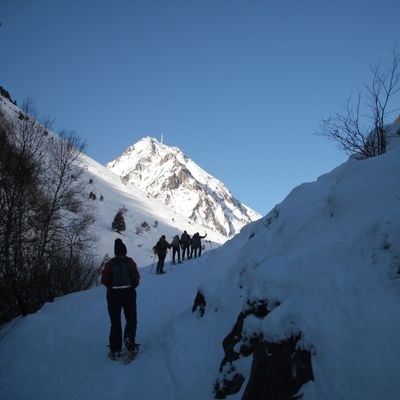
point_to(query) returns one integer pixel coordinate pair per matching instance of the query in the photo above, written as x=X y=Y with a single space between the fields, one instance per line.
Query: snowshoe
x=130 y=351
x=114 y=355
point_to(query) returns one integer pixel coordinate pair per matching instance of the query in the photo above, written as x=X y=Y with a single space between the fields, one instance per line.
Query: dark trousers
x=160 y=263
x=117 y=300
x=174 y=251
x=185 y=249
x=194 y=250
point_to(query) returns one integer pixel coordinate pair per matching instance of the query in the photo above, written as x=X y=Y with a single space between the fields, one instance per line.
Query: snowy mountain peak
x=167 y=174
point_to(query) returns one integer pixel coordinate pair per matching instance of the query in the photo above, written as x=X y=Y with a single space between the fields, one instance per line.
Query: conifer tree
x=118 y=223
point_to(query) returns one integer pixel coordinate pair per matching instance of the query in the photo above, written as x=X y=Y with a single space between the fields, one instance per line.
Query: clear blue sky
x=238 y=86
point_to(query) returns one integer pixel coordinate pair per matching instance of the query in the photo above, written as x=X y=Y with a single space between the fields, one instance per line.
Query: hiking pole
x=154 y=258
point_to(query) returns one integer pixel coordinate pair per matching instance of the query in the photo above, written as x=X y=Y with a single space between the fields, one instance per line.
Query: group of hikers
x=190 y=246
x=121 y=277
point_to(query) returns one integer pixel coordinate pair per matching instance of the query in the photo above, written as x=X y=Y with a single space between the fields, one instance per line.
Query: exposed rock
x=199 y=303
x=278 y=369
x=6 y=94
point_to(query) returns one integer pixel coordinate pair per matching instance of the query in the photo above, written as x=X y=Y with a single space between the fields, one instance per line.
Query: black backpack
x=185 y=239
x=121 y=273
x=175 y=241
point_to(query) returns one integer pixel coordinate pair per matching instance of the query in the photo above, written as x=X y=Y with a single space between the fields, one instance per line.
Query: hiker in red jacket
x=121 y=277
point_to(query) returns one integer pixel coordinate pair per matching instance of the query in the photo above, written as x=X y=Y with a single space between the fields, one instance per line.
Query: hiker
x=185 y=244
x=161 y=249
x=176 y=248
x=121 y=277
x=196 y=244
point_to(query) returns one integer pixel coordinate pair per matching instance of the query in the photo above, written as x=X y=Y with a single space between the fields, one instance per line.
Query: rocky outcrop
x=199 y=304
x=6 y=95
x=278 y=371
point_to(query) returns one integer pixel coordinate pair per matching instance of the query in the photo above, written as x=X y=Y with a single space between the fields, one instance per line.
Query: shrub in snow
x=145 y=226
x=118 y=224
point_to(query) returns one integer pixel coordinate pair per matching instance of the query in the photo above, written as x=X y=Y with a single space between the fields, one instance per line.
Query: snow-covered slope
x=111 y=195
x=326 y=261
x=167 y=174
x=146 y=218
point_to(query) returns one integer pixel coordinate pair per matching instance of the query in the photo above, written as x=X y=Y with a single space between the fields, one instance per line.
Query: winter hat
x=119 y=248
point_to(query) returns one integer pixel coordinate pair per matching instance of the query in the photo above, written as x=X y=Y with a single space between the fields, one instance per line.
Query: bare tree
x=44 y=248
x=62 y=216
x=365 y=136
x=384 y=86
x=22 y=144
x=64 y=209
